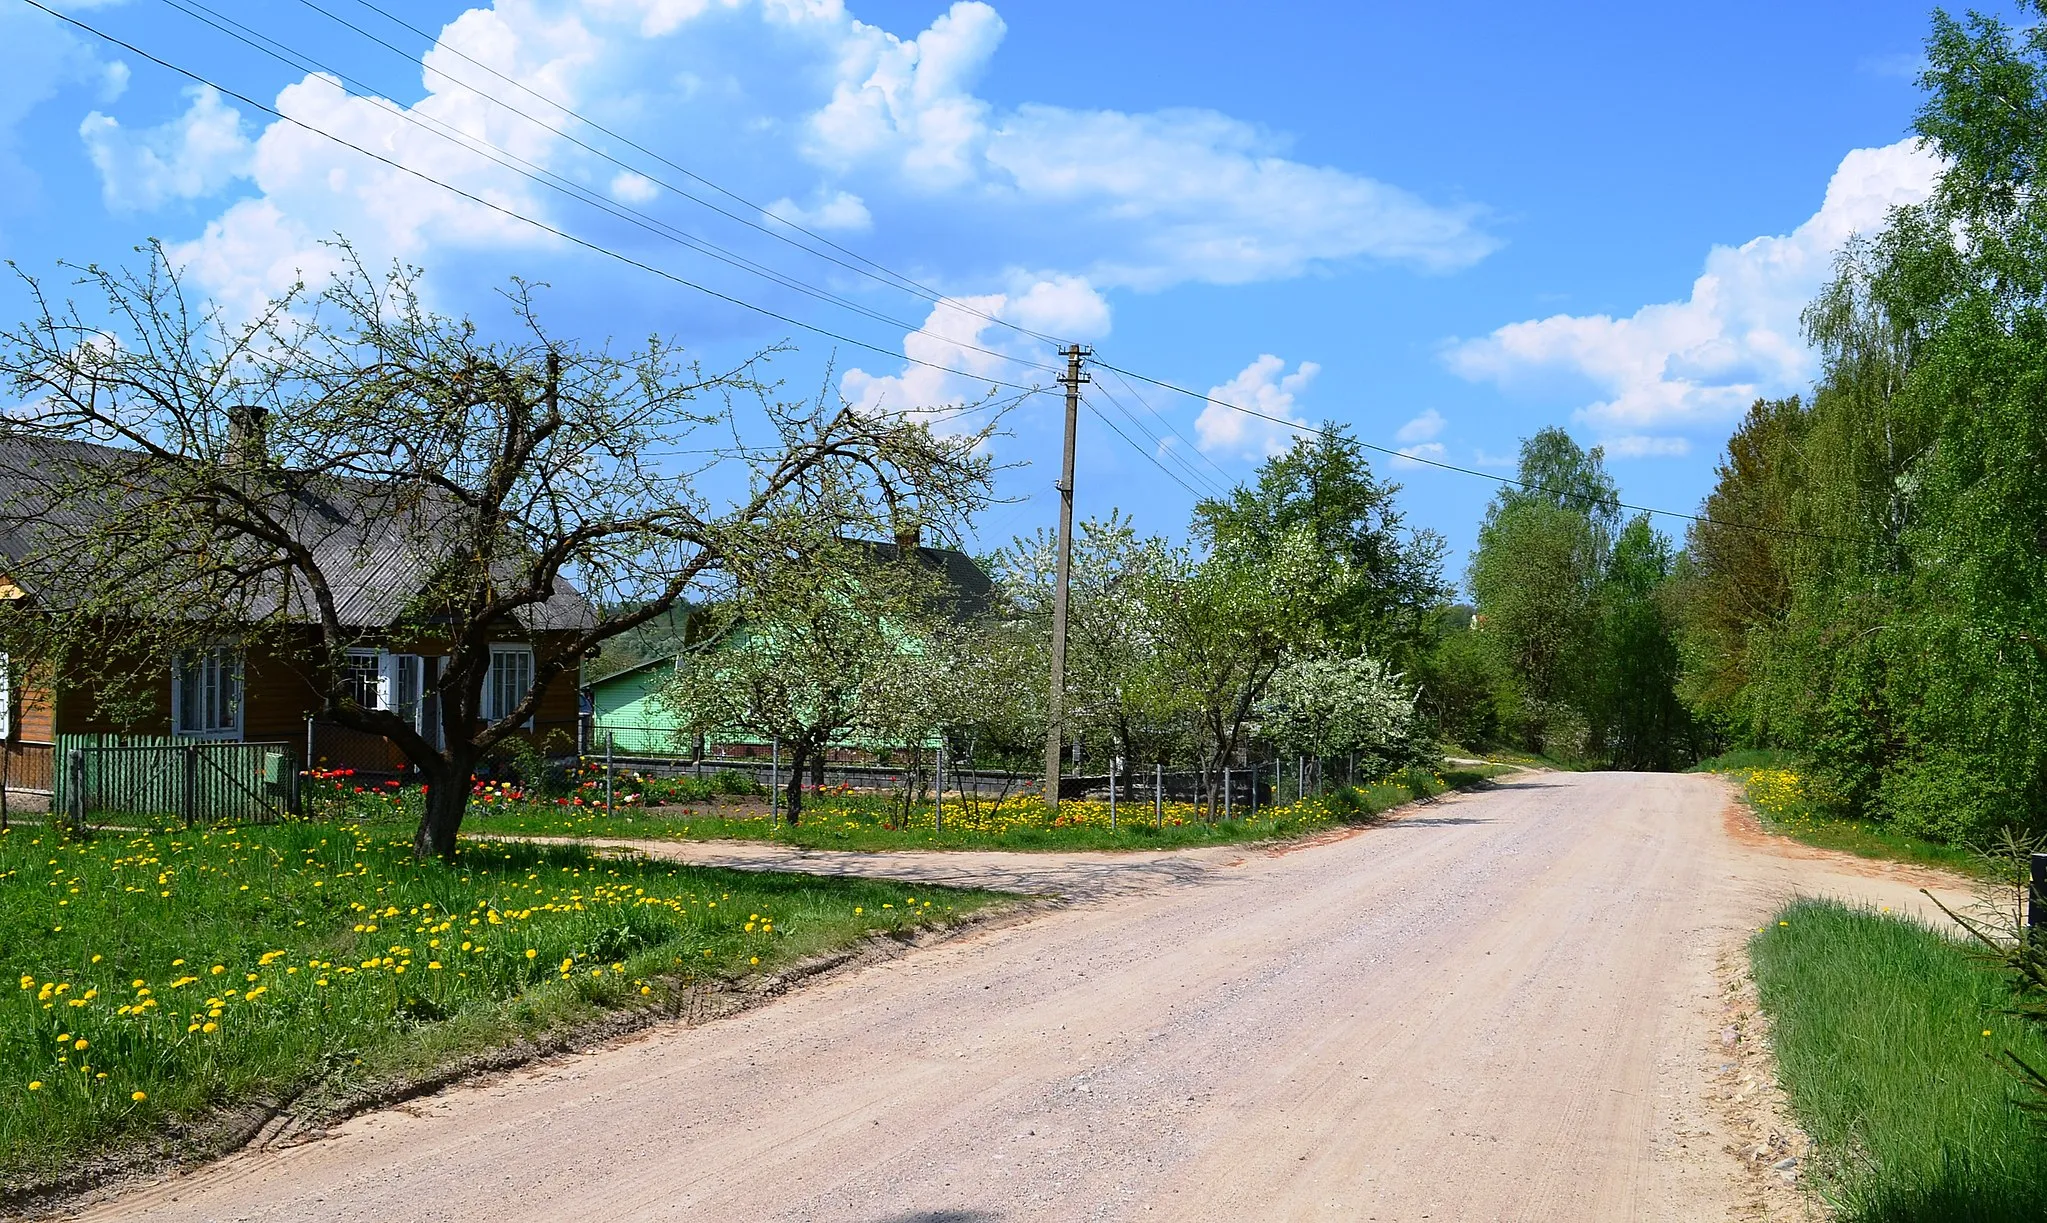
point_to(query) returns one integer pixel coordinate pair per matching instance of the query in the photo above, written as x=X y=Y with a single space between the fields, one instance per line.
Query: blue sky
x=1446 y=226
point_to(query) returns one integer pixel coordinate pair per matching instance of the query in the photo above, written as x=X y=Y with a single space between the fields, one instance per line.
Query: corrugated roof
x=973 y=590
x=377 y=547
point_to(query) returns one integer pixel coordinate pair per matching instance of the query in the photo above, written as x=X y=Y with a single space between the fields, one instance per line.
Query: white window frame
x=213 y=664
x=494 y=706
x=401 y=683
x=6 y=698
x=375 y=660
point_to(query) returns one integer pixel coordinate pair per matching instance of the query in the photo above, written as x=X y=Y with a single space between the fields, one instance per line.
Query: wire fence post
x=309 y=741
x=775 y=784
x=1115 y=765
x=1276 y=779
x=938 y=791
x=1227 y=814
x=75 y=800
x=1158 y=796
x=2036 y=903
x=188 y=797
x=608 y=736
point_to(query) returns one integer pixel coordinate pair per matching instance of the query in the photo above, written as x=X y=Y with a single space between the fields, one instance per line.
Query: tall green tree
x=1382 y=578
x=1534 y=579
x=1226 y=624
x=1637 y=720
x=1910 y=656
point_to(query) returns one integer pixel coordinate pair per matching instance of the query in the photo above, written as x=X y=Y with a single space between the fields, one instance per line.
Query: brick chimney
x=245 y=429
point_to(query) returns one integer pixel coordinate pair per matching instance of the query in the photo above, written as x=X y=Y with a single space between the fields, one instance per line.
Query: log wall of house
x=79 y=710
x=27 y=755
x=277 y=693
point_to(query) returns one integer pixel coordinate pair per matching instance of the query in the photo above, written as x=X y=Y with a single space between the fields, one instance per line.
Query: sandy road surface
x=1497 y=1007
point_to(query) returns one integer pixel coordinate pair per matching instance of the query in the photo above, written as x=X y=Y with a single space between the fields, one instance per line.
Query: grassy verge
x=860 y=822
x=1887 y=1037
x=1775 y=790
x=164 y=980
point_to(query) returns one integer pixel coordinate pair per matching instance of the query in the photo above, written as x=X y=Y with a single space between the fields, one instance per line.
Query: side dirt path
x=1072 y=876
x=1507 y=1005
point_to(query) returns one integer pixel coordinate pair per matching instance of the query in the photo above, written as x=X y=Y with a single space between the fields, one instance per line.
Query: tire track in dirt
x=1499 y=1006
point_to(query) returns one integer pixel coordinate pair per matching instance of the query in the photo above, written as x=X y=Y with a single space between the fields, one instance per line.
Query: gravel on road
x=1501 y=1005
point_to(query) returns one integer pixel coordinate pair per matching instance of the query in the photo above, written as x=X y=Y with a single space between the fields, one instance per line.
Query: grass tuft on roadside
x=161 y=981
x=862 y=822
x=1888 y=1039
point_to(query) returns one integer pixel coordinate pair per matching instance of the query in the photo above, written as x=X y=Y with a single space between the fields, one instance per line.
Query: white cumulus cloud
x=1646 y=446
x=965 y=350
x=842 y=210
x=630 y=188
x=192 y=156
x=845 y=125
x=1417 y=438
x=1264 y=387
x=1737 y=336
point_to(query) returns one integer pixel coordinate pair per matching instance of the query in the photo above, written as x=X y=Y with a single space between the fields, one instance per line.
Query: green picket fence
x=196 y=781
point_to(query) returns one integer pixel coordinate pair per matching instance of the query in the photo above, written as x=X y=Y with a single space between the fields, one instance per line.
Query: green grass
x=861 y=822
x=1879 y=1032
x=157 y=981
x=1775 y=788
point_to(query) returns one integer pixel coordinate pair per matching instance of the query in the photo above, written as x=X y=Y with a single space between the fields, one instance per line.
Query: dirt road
x=1500 y=1006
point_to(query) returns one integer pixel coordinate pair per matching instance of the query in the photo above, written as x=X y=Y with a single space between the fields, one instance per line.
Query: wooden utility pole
x=1055 y=710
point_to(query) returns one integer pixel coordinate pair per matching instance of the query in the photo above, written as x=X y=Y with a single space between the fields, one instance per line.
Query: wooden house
x=257 y=686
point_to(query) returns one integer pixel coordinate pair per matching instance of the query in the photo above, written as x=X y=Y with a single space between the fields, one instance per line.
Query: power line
x=1525 y=485
x=299 y=60
x=516 y=215
x=1139 y=449
x=1167 y=425
x=862 y=266
x=1159 y=445
x=547 y=178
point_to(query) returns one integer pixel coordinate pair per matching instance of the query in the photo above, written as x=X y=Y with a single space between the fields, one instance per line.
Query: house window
x=360 y=679
x=405 y=687
x=511 y=677
x=206 y=694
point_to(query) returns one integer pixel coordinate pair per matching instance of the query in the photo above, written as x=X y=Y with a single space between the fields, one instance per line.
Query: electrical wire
x=879 y=272
x=1209 y=486
x=1139 y=449
x=301 y=61
x=514 y=214
x=1167 y=425
x=861 y=265
x=1506 y=481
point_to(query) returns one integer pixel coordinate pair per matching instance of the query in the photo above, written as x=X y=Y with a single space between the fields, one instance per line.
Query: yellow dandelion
x=138 y=1096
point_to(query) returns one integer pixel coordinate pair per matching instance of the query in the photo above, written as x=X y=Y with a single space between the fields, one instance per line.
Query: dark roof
x=377 y=547
x=666 y=660
x=973 y=590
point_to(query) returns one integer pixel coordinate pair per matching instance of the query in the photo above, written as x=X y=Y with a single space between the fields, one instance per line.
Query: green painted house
x=627 y=704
